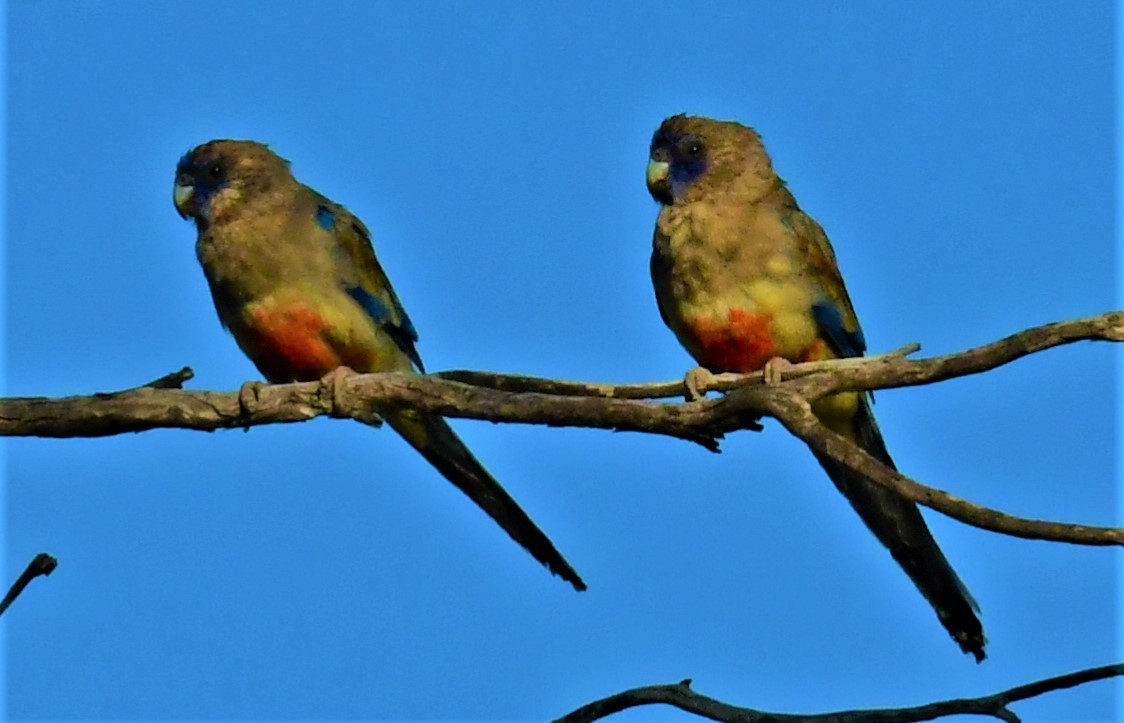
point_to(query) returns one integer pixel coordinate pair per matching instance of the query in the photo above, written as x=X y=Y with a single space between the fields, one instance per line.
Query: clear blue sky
x=959 y=155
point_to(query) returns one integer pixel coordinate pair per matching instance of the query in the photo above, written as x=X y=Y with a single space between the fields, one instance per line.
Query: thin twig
x=41 y=564
x=681 y=696
x=175 y=380
x=796 y=415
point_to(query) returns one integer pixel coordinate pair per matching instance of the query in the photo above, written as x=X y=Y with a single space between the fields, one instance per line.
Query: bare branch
x=886 y=371
x=355 y=397
x=622 y=407
x=680 y=695
x=896 y=371
x=649 y=390
x=175 y=380
x=795 y=413
x=41 y=564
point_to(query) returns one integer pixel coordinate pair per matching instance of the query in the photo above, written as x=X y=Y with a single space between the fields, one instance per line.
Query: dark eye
x=694 y=149
x=215 y=170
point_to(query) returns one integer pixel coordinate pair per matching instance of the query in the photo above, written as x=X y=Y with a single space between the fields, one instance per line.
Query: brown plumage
x=742 y=276
x=294 y=278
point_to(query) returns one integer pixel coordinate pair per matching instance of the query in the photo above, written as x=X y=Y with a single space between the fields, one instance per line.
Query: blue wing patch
x=373 y=305
x=326 y=219
x=390 y=317
x=402 y=331
x=846 y=343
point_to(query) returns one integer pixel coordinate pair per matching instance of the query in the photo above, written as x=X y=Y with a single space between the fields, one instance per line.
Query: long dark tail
x=898 y=525
x=437 y=442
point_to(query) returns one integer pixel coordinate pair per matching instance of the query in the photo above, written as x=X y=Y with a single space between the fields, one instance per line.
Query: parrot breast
x=289 y=343
x=743 y=341
x=740 y=342
x=295 y=341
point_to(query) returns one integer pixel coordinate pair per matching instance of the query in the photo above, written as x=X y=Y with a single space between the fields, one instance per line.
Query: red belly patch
x=742 y=342
x=289 y=344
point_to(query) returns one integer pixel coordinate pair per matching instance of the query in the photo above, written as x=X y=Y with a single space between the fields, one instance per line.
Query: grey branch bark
x=162 y=403
x=681 y=696
x=623 y=407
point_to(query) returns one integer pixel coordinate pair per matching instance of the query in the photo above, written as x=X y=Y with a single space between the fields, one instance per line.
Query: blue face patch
x=686 y=160
x=684 y=173
x=203 y=196
x=206 y=176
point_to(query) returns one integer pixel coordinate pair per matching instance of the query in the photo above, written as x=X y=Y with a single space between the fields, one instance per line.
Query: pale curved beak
x=659 y=177
x=182 y=195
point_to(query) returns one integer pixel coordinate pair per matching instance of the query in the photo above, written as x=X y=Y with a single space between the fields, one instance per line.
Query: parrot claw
x=337 y=375
x=248 y=396
x=330 y=382
x=775 y=368
x=342 y=407
x=697 y=381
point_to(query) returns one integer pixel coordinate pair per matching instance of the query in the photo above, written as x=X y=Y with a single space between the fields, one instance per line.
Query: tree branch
x=886 y=371
x=795 y=413
x=623 y=407
x=41 y=564
x=680 y=695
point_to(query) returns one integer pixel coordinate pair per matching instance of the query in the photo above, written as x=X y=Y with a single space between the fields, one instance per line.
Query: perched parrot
x=295 y=280
x=743 y=276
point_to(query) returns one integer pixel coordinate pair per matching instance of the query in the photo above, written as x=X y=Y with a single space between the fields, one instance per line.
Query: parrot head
x=691 y=156
x=219 y=173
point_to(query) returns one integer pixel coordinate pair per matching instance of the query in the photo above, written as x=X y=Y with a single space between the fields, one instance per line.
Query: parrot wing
x=363 y=278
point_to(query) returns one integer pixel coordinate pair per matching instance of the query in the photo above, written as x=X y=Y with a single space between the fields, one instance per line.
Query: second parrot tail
x=432 y=436
x=898 y=524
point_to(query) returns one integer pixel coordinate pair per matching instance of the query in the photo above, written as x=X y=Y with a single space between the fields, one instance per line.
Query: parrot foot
x=697 y=381
x=344 y=407
x=249 y=394
x=774 y=369
x=330 y=384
